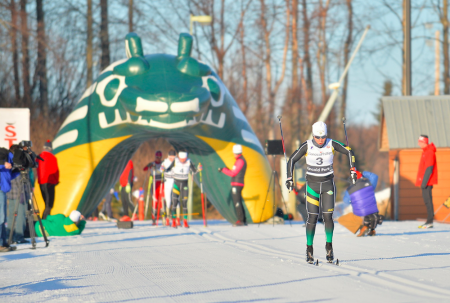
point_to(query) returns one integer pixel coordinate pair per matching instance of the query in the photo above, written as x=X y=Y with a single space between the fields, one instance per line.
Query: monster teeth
x=151 y=106
x=188 y=106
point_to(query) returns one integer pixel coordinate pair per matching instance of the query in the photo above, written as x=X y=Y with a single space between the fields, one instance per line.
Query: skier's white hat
x=75 y=216
x=319 y=129
x=182 y=155
x=237 y=149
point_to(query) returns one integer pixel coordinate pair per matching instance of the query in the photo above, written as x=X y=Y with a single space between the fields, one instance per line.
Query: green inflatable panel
x=177 y=98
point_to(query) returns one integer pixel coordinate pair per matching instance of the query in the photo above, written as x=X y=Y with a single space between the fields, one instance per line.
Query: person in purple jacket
x=362 y=197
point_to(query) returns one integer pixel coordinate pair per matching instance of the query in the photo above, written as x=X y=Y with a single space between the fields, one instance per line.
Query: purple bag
x=362 y=198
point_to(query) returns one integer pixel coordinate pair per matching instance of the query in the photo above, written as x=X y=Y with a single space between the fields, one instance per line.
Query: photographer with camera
x=6 y=175
x=48 y=177
x=15 y=196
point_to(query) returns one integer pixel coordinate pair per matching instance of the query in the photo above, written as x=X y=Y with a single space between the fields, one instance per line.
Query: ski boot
x=330 y=255
x=174 y=223
x=426 y=225
x=309 y=254
x=167 y=222
x=185 y=224
x=371 y=233
x=178 y=222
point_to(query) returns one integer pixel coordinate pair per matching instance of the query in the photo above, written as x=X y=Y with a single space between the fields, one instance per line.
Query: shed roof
x=409 y=117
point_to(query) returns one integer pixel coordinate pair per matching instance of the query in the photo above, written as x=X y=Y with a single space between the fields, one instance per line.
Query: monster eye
x=111 y=89
x=214 y=88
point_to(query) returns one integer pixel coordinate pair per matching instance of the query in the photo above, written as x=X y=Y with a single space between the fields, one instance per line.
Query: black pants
x=125 y=197
x=236 y=195
x=371 y=221
x=428 y=199
x=48 y=194
x=107 y=205
x=320 y=196
x=180 y=191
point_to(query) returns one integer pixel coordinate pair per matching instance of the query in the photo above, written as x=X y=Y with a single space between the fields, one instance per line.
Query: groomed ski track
x=221 y=263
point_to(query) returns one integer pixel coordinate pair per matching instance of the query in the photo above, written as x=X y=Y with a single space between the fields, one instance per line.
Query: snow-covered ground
x=221 y=263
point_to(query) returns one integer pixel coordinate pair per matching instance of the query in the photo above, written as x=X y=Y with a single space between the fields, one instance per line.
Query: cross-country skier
x=157 y=199
x=168 y=182
x=180 y=169
x=320 y=188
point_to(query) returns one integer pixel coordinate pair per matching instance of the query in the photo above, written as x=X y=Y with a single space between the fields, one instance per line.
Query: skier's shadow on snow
x=413 y=233
x=40 y=286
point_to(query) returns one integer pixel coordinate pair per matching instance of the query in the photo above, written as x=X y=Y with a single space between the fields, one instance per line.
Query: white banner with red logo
x=14 y=126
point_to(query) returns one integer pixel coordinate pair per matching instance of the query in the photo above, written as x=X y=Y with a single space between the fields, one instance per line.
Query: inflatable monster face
x=143 y=97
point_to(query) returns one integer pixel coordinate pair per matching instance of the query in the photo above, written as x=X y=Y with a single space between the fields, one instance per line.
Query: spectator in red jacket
x=237 y=174
x=48 y=177
x=427 y=177
x=126 y=183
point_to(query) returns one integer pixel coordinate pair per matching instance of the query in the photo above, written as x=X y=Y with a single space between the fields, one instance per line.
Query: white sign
x=14 y=126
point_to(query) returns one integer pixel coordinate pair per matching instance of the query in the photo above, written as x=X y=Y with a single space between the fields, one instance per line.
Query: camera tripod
x=25 y=192
x=274 y=179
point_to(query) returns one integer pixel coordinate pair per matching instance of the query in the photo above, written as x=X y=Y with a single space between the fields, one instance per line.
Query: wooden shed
x=403 y=119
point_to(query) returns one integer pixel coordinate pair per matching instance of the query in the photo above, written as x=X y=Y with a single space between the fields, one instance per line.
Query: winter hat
x=75 y=216
x=48 y=144
x=319 y=129
x=172 y=152
x=182 y=155
x=423 y=138
x=237 y=149
x=158 y=153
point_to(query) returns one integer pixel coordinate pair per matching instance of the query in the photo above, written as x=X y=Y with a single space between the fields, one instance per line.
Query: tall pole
x=407 y=45
x=437 y=62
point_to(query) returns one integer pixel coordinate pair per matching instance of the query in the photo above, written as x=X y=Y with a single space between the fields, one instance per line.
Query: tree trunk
x=403 y=49
x=322 y=49
x=244 y=103
x=307 y=61
x=26 y=100
x=130 y=16
x=347 y=49
x=13 y=34
x=445 y=48
x=104 y=36
x=89 y=76
x=42 y=58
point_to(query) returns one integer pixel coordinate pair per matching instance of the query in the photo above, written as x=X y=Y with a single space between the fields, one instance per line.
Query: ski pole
x=154 y=197
x=201 y=195
x=346 y=138
x=282 y=140
x=345 y=130
x=148 y=195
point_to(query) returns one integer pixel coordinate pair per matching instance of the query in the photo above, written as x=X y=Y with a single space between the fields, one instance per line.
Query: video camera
x=24 y=157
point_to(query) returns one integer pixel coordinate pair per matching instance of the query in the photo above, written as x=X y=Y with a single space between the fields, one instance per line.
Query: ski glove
x=289 y=184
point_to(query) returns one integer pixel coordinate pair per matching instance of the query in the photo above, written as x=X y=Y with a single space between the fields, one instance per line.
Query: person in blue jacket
x=367 y=208
x=6 y=175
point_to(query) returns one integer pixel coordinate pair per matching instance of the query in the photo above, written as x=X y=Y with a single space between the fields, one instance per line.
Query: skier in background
x=180 y=168
x=126 y=183
x=320 y=188
x=155 y=167
x=168 y=182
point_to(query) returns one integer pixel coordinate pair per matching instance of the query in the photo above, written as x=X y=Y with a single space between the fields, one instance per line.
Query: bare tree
x=347 y=49
x=26 y=100
x=41 y=68
x=322 y=49
x=89 y=38
x=14 y=50
x=104 y=35
x=443 y=18
x=130 y=16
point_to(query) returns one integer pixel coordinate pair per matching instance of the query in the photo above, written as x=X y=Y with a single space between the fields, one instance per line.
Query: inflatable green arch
x=144 y=97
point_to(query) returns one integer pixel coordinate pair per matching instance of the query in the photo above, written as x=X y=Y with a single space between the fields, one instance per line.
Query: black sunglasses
x=322 y=137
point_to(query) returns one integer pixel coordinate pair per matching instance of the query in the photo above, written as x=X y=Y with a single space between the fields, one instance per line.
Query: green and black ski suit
x=320 y=187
